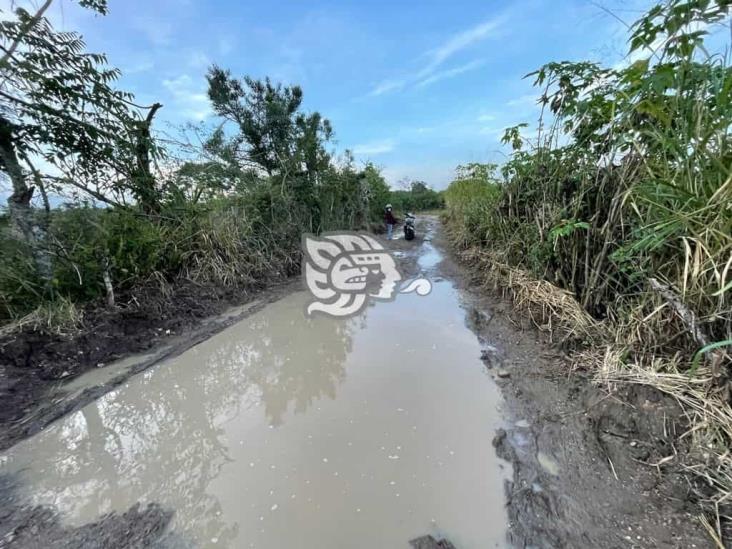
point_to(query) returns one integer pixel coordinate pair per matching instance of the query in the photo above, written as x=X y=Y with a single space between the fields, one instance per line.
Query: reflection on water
x=279 y=359
x=283 y=431
x=429 y=256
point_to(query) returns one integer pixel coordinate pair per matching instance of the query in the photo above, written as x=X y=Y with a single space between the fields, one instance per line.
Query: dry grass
x=61 y=317
x=613 y=360
x=707 y=409
x=551 y=309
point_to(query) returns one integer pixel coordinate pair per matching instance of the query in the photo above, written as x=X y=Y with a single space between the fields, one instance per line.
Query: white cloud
x=450 y=73
x=374 y=147
x=141 y=66
x=199 y=60
x=438 y=56
x=460 y=41
x=437 y=176
x=387 y=86
x=226 y=45
x=158 y=30
x=189 y=97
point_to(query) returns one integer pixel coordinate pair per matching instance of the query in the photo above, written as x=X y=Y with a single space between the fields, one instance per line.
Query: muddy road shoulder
x=37 y=367
x=582 y=456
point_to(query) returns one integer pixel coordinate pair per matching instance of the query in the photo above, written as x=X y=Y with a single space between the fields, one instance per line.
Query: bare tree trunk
x=19 y=200
x=690 y=320
x=40 y=229
x=108 y=285
x=22 y=221
x=687 y=316
x=362 y=207
x=144 y=179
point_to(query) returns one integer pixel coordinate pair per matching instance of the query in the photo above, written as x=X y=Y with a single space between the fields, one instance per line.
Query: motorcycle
x=409 y=227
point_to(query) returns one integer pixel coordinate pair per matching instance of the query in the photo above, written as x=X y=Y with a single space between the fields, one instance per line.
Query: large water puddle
x=283 y=431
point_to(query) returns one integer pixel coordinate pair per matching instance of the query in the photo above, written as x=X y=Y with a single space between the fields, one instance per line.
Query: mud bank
x=29 y=526
x=586 y=469
x=36 y=367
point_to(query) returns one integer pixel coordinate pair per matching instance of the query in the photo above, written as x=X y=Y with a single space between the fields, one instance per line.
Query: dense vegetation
x=416 y=196
x=221 y=206
x=625 y=200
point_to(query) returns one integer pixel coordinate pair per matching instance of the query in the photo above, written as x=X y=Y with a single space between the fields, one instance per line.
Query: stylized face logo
x=373 y=272
x=342 y=269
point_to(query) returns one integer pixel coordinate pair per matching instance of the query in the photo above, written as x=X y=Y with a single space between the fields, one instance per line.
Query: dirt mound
x=31 y=527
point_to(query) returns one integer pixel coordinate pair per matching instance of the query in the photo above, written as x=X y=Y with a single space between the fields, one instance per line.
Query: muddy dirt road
x=284 y=431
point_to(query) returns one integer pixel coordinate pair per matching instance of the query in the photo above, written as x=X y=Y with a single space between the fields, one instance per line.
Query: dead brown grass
x=552 y=309
x=612 y=355
x=60 y=317
x=706 y=407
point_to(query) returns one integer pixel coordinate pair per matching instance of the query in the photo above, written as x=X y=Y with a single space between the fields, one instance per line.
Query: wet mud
x=41 y=527
x=38 y=369
x=443 y=421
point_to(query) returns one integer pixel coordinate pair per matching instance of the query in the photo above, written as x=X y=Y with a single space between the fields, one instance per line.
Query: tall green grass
x=640 y=190
x=624 y=198
x=248 y=237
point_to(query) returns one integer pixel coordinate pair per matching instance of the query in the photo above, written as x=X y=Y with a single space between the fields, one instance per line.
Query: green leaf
x=697 y=357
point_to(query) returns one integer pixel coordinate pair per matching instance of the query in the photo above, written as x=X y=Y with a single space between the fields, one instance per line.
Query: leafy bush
x=641 y=188
x=238 y=238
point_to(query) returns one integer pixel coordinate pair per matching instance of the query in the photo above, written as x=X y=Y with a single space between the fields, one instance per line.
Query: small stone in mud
x=499 y=438
x=548 y=463
x=503 y=373
x=428 y=542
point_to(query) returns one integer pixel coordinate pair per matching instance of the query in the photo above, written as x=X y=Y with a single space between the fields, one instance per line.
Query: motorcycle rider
x=389 y=220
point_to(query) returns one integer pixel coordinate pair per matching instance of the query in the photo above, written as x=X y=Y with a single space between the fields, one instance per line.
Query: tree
x=57 y=105
x=273 y=133
x=97 y=5
x=417 y=195
x=379 y=194
x=313 y=131
x=475 y=170
x=417 y=187
x=275 y=137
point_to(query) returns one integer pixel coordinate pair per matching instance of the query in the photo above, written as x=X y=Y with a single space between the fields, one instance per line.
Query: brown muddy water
x=283 y=431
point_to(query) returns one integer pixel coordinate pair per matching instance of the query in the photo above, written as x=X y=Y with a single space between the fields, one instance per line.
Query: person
x=390 y=221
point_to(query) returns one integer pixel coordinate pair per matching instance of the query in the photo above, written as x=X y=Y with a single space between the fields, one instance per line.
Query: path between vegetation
x=444 y=415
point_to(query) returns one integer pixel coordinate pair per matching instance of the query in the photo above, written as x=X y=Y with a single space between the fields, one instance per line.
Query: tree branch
x=23 y=32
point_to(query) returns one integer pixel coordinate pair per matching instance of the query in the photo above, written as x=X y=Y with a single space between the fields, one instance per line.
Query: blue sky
x=415 y=87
